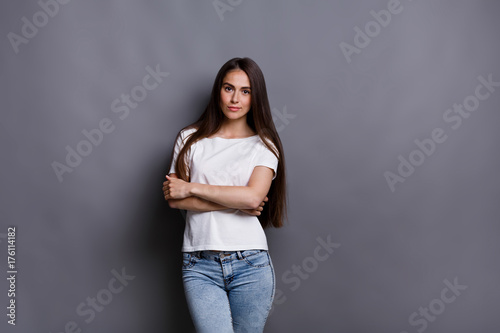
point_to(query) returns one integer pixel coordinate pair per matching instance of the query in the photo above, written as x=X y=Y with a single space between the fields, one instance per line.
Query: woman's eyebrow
x=229 y=84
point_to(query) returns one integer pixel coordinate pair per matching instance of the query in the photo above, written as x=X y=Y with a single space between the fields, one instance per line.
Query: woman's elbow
x=172 y=203
x=254 y=203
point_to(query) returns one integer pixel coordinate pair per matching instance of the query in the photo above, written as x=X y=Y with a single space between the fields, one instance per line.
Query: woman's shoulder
x=270 y=143
x=186 y=131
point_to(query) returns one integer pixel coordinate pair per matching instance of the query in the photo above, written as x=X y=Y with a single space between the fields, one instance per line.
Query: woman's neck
x=235 y=131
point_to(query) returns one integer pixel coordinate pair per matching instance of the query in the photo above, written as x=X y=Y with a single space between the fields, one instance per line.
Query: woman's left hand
x=175 y=188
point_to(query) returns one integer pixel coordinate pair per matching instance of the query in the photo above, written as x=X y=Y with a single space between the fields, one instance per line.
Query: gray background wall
x=344 y=122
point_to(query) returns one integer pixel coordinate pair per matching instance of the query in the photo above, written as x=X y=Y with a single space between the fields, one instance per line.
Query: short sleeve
x=179 y=143
x=266 y=158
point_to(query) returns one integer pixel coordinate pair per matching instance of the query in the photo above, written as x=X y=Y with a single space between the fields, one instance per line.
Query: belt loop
x=239 y=255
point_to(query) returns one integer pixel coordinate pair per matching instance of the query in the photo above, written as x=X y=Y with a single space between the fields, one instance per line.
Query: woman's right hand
x=256 y=212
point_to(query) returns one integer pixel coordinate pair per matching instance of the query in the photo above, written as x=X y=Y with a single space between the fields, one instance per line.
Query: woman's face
x=235 y=94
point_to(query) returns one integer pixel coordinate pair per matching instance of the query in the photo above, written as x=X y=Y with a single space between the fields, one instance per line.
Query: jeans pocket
x=256 y=258
x=188 y=260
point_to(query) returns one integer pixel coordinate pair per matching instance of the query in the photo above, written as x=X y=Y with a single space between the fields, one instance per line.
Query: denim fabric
x=228 y=291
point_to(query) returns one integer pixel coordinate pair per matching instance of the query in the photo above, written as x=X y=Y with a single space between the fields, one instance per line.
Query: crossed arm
x=203 y=197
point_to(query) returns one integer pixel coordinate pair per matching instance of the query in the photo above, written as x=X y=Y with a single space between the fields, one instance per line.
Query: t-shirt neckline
x=218 y=137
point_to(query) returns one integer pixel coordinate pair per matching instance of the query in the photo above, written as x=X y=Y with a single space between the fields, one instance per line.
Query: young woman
x=224 y=168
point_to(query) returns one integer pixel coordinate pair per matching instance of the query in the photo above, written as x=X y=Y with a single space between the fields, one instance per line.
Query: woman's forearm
x=195 y=204
x=237 y=197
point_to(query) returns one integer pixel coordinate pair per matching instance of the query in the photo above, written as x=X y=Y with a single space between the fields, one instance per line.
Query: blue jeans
x=228 y=291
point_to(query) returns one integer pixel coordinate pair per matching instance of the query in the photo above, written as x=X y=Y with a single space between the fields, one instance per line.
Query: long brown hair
x=259 y=119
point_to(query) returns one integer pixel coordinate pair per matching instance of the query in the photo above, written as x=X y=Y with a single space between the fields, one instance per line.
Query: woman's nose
x=234 y=98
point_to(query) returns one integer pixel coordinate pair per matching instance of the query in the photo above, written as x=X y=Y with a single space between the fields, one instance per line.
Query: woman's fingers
x=254 y=212
x=166 y=190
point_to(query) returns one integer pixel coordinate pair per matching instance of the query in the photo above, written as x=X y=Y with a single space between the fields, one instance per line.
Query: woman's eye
x=246 y=92
x=227 y=88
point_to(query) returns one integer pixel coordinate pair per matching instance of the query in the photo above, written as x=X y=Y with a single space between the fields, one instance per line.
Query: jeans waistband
x=218 y=255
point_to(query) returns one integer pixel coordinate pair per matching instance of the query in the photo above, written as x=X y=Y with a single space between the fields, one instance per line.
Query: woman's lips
x=233 y=108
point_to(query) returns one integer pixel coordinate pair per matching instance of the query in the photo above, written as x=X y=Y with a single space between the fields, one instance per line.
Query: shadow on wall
x=162 y=243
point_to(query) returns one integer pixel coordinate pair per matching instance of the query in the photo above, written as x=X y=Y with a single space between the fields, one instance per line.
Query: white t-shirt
x=228 y=162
